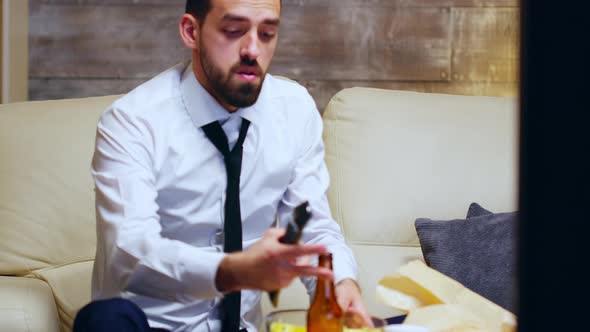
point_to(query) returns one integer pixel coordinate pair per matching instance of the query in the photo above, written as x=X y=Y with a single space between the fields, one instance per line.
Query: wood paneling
x=323 y=91
x=364 y=43
x=56 y=88
x=95 y=47
x=178 y=3
x=485 y=46
x=96 y=41
x=362 y=3
x=402 y=3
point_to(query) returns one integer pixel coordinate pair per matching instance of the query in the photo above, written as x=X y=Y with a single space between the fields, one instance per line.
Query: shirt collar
x=202 y=106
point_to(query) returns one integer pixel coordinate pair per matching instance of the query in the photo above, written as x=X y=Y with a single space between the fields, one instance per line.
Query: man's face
x=236 y=42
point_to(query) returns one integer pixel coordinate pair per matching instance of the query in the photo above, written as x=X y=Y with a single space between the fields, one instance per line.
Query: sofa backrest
x=396 y=156
x=46 y=192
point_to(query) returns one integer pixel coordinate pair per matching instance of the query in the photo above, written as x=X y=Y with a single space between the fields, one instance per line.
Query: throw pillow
x=475 y=210
x=479 y=251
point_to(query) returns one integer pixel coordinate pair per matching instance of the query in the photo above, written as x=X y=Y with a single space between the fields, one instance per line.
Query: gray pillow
x=478 y=251
x=475 y=210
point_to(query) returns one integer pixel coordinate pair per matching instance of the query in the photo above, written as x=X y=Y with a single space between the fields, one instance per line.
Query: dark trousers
x=112 y=315
x=395 y=319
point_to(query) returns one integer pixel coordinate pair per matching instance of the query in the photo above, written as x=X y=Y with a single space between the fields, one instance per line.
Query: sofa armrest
x=27 y=305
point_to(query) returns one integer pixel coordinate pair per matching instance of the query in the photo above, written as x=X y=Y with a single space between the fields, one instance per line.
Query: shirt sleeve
x=131 y=253
x=310 y=182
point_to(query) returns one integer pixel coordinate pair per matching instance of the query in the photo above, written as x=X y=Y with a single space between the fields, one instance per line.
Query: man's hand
x=268 y=265
x=349 y=298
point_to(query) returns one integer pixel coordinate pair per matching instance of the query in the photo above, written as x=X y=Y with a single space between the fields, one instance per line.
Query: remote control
x=301 y=216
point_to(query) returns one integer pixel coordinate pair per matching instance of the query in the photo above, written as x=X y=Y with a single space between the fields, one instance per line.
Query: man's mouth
x=248 y=77
x=248 y=74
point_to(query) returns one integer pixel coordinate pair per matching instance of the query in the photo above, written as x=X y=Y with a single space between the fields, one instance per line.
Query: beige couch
x=393 y=157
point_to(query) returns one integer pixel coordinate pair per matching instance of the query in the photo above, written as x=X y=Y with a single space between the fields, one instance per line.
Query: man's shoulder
x=288 y=102
x=281 y=87
x=152 y=94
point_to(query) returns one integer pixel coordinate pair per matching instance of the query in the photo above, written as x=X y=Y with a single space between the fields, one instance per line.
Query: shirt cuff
x=343 y=268
x=198 y=271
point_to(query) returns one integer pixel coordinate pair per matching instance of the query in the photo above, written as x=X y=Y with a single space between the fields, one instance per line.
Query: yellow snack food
x=363 y=329
x=415 y=287
x=447 y=318
x=283 y=327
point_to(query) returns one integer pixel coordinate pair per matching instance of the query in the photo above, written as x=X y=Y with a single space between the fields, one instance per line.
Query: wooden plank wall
x=98 y=47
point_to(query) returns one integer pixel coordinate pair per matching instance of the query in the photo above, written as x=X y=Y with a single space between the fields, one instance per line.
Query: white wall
x=15 y=56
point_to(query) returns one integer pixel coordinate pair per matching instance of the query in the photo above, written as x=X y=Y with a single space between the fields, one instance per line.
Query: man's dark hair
x=198 y=8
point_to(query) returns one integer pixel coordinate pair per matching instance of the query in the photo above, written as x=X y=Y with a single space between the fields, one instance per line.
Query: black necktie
x=232 y=228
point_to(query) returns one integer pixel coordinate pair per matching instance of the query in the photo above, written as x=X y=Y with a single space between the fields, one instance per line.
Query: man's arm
x=268 y=265
x=131 y=253
x=310 y=182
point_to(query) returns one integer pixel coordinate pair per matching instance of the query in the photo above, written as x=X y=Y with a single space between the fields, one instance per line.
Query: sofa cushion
x=395 y=156
x=70 y=284
x=26 y=305
x=46 y=196
x=479 y=251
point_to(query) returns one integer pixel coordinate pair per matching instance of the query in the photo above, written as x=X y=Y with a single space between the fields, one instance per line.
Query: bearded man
x=193 y=168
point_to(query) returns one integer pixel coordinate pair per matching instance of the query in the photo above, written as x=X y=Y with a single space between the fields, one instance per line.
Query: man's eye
x=232 y=33
x=268 y=35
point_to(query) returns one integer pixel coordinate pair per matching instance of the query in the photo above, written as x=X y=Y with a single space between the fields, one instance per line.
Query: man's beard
x=233 y=93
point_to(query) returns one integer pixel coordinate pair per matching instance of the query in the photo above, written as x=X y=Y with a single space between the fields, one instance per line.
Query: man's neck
x=202 y=79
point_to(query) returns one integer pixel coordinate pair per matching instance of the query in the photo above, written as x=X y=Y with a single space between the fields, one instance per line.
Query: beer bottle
x=324 y=314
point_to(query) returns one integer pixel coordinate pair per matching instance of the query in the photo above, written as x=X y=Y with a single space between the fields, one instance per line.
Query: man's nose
x=250 y=47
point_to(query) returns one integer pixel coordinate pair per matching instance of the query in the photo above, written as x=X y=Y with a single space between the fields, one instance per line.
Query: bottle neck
x=325 y=287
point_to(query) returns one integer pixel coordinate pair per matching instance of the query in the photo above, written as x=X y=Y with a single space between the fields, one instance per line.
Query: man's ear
x=189 y=31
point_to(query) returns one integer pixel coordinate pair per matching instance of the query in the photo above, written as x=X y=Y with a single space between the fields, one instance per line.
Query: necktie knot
x=216 y=135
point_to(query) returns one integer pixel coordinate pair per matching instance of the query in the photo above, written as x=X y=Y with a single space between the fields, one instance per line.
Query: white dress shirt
x=160 y=194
